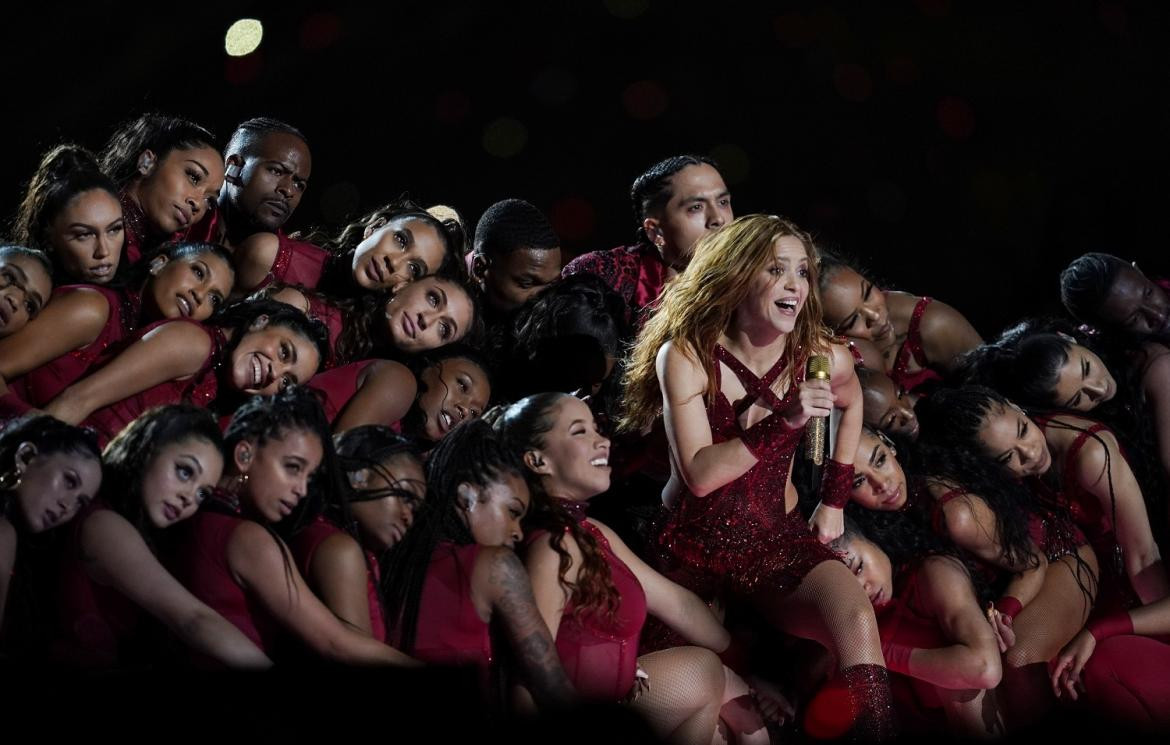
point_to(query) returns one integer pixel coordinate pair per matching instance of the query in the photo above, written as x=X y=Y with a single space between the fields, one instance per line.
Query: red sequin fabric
x=739 y=537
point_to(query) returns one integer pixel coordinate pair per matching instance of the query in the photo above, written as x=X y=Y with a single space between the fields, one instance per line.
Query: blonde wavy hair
x=697 y=306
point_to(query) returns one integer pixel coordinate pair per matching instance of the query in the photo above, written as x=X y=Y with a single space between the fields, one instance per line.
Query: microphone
x=814 y=440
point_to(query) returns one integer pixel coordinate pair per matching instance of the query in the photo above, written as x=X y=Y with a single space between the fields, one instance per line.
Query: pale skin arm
x=678 y=607
x=170 y=352
x=500 y=585
x=70 y=322
x=1140 y=554
x=385 y=393
x=257 y=563
x=7 y=562
x=253 y=260
x=115 y=555
x=338 y=573
x=946 y=334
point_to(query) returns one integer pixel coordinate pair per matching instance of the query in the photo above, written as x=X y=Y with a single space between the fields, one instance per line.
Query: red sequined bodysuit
x=739 y=536
x=912 y=349
x=600 y=654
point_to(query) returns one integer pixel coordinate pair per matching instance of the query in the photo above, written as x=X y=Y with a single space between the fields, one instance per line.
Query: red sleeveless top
x=739 y=535
x=97 y=626
x=198 y=559
x=42 y=385
x=600 y=655
x=199 y=389
x=912 y=349
x=450 y=631
x=304 y=546
x=338 y=386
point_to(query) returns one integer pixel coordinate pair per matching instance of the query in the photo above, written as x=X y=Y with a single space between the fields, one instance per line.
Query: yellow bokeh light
x=243 y=37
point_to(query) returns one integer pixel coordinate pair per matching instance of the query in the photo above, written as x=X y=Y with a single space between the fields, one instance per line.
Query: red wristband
x=1115 y=624
x=1009 y=606
x=735 y=656
x=898 y=657
x=837 y=484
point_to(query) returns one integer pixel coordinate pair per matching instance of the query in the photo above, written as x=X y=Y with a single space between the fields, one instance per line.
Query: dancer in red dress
x=919 y=338
x=157 y=472
x=731 y=524
x=169 y=172
x=594 y=592
x=455 y=570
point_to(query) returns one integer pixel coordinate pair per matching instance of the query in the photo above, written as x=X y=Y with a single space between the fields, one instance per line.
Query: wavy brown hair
x=524 y=426
x=697 y=306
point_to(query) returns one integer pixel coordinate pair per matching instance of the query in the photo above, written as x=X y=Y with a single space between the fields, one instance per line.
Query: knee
x=856 y=622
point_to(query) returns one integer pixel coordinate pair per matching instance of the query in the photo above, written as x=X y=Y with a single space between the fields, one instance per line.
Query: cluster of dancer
x=226 y=445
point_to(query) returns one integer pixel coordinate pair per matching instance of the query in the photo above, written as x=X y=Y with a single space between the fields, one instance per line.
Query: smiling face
x=509 y=280
x=176 y=482
x=573 y=461
x=25 y=287
x=455 y=389
x=177 y=192
x=878 y=480
x=779 y=290
x=87 y=236
x=397 y=253
x=1014 y=441
x=270 y=358
x=493 y=513
x=428 y=314
x=273 y=174
x=888 y=407
x=383 y=521
x=1083 y=382
x=278 y=472
x=192 y=286
x=1136 y=306
x=856 y=307
x=872 y=568
x=54 y=487
x=699 y=203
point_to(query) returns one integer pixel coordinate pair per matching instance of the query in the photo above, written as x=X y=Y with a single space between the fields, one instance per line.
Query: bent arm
x=73 y=320
x=703 y=464
x=500 y=578
x=385 y=393
x=946 y=334
x=171 y=351
x=678 y=607
x=1101 y=470
x=338 y=572
x=262 y=565
x=972 y=660
x=114 y=554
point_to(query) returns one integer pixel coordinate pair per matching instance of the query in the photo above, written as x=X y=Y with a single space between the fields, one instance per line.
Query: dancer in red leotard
x=919 y=338
x=750 y=294
x=455 y=571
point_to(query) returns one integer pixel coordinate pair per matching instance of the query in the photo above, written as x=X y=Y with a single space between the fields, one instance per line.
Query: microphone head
x=818 y=367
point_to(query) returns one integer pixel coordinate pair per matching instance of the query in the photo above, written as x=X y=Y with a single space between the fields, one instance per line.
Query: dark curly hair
x=48 y=435
x=1085 y=282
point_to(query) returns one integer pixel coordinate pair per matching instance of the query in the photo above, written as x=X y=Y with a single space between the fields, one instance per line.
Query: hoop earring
x=10 y=480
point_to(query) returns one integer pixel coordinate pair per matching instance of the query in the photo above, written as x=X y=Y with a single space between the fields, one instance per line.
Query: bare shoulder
x=257 y=247
x=680 y=370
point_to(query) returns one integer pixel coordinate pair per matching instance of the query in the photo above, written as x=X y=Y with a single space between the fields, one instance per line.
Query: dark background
x=962 y=151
